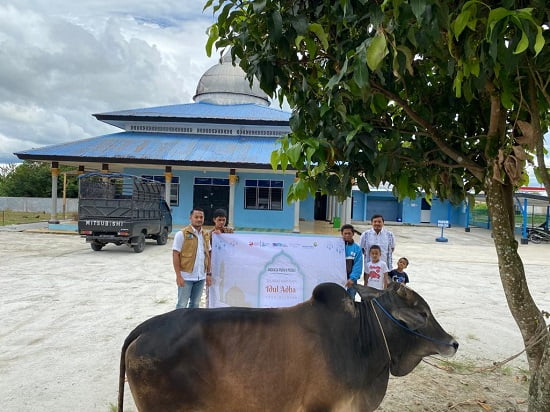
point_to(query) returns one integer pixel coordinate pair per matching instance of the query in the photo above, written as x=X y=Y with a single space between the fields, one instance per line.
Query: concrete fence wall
x=37 y=204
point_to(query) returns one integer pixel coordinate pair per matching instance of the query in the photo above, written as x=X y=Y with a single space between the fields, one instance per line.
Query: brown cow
x=326 y=354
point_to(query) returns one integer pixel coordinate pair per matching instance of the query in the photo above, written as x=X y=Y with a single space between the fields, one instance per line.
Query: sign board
x=443 y=223
x=264 y=270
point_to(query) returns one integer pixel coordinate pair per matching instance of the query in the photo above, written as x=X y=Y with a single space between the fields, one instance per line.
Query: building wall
x=407 y=211
x=266 y=219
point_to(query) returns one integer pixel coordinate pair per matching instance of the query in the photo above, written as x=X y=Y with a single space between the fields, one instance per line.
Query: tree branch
x=460 y=159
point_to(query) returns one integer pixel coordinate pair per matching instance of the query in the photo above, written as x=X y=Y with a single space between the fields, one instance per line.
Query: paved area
x=65 y=309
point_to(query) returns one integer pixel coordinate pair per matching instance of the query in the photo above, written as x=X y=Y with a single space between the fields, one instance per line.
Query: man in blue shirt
x=354 y=258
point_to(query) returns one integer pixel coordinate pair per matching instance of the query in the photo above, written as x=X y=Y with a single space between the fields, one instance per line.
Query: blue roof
x=162 y=148
x=237 y=112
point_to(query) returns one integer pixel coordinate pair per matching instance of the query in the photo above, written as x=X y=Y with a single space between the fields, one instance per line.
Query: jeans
x=189 y=296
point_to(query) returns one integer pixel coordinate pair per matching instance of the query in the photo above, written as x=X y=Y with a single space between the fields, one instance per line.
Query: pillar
x=348 y=203
x=233 y=179
x=53 y=212
x=296 y=228
x=167 y=183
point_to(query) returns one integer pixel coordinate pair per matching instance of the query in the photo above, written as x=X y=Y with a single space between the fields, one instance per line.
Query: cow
x=328 y=353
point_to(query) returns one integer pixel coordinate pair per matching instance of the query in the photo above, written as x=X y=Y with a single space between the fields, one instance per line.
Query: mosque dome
x=225 y=84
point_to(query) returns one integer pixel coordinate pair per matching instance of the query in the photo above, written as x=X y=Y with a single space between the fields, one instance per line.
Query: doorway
x=210 y=197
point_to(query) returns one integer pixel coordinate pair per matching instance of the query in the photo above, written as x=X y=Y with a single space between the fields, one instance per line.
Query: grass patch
x=11 y=217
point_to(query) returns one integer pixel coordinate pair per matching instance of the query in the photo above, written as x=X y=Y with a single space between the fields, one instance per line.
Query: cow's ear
x=367 y=293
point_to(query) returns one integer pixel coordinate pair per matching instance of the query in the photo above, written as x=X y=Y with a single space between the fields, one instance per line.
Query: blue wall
x=264 y=219
x=409 y=210
x=307 y=208
x=268 y=219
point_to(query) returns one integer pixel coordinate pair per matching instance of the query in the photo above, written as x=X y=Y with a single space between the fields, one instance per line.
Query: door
x=210 y=198
x=320 y=208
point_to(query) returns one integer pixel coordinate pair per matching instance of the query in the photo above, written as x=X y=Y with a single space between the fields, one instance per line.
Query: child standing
x=376 y=270
x=399 y=275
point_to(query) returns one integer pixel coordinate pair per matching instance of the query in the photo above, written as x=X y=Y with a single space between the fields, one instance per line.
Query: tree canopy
x=33 y=179
x=443 y=97
x=383 y=91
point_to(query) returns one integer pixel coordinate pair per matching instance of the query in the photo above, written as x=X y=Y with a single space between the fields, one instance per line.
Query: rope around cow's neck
x=381 y=330
x=389 y=315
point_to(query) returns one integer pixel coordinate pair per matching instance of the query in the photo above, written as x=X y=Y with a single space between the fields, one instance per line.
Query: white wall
x=37 y=204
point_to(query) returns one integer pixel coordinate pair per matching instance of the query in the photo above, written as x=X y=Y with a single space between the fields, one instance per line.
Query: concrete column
x=53 y=212
x=348 y=203
x=167 y=184
x=296 y=228
x=233 y=179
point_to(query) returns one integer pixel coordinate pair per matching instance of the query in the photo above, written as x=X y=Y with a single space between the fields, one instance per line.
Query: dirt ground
x=65 y=311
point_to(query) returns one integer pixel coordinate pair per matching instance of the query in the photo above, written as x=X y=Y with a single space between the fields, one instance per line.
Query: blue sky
x=64 y=60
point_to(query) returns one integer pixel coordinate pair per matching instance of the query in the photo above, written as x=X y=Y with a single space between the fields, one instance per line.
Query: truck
x=122 y=209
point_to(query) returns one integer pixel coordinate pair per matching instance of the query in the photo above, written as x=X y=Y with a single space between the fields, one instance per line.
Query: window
x=263 y=194
x=211 y=181
x=174 y=188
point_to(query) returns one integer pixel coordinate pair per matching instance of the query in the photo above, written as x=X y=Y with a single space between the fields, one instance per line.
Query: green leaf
x=274 y=159
x=539 y=42
x=276 y=28
x=213 y=34
x=334 y=80
x=418 y=7
x=523 y=43
x=377 y=51
x=461 y=22
x=408 y=58
x=293 y=153
x=495 y=16
x=317 y=29
x=360 y=73
x=259 y=5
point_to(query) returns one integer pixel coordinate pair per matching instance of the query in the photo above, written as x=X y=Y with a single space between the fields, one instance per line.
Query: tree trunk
x=528 y=317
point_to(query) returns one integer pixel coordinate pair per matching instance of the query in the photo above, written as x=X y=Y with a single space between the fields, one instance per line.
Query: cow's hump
x=333 y=296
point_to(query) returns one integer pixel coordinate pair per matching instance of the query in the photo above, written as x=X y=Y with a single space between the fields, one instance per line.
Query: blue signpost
x=442 y=224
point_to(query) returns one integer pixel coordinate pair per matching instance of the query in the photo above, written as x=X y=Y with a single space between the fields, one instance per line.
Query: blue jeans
x=189 y=296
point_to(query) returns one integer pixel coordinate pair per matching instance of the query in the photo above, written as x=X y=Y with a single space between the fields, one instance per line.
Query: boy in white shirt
x=376 y=270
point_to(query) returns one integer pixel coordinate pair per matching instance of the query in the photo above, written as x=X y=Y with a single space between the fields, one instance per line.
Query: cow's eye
x=424 y=315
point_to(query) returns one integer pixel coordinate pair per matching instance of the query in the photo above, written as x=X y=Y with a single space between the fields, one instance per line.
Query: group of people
x=192 y=245
x=372 y=257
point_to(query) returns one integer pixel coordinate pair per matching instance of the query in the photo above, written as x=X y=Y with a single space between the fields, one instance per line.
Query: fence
x=37 y=204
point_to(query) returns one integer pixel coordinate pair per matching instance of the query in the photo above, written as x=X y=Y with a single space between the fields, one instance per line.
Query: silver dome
x=226 y=84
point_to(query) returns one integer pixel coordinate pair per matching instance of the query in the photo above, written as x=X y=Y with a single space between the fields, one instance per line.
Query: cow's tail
x=122 y=374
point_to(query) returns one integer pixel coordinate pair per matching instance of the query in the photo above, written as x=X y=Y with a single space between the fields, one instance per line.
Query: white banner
x=264 y=270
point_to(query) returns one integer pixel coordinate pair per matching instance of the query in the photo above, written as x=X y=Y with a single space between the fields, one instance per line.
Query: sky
x=64 y=60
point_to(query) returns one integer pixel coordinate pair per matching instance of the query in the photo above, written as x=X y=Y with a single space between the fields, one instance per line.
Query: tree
x=444 y=97
x=33 y=179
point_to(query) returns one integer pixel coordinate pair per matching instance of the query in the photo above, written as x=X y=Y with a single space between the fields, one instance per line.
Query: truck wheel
x=162 y=238
x=138 y=248
x=96 y=246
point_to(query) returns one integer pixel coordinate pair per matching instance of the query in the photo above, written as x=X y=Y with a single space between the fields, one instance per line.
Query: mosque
x=215 y=153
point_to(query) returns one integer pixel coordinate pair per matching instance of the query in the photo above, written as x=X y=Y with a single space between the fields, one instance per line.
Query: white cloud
x=63 y=61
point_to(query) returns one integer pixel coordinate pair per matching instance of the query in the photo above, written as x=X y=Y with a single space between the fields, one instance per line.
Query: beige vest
x=188 y=252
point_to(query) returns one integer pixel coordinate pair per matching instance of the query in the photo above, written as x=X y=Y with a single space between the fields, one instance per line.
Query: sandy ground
x=66 y=310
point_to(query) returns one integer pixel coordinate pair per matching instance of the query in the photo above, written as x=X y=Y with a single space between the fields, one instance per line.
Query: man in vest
x=191 y=261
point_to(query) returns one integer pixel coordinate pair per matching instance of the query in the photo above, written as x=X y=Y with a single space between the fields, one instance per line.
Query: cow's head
x=409 y=326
